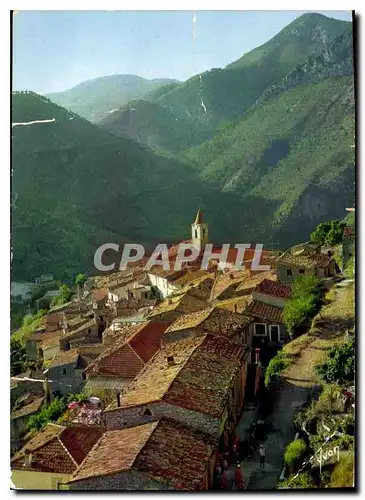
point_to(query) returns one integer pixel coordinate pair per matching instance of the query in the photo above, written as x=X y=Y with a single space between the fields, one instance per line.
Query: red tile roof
x=115 y=452
x=269 y=287
x=126 y=358
x=53 y=452
x=147 y=341
x=202 y=384
x=167 y=451
x=79 y=440
x=99 y=294
x=198 y=379
x=265 y=311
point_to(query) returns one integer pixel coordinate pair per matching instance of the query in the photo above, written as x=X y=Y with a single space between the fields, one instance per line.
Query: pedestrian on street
x=262 y=455
x=223 y=481
x=238 y=478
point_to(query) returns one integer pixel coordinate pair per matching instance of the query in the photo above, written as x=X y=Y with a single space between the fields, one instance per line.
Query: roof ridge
x=66 y=450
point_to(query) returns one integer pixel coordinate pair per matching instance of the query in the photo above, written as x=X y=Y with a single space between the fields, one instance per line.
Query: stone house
x=199 y=382
x=305 y=260
x=50 y=458
x=160 y=455
x=131 y=348
x=163 y=281
x=65 y=372
x=215 y=320
x=26 y=405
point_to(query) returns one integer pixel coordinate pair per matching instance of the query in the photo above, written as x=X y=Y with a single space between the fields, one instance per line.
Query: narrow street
x=280 y=431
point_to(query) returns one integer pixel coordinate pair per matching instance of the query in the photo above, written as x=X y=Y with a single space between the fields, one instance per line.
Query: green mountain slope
x=153 y=125
x=76 y=187
x=293 y=151
x=197 y=108
x=95 y=98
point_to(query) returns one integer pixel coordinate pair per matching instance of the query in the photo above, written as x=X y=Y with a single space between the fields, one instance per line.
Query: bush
x=340 y=365
x=303 y=481
x=294 y=453
x=328 y=233
x=304 y=303
x=343 y=473
x=276 y=366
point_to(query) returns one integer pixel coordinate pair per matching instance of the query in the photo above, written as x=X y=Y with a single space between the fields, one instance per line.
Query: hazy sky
x=55 y=50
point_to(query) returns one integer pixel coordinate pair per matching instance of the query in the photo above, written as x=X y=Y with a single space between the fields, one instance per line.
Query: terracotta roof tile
x=135 y=345
x=147 y=341
x=65 y=358
x=28 y=409
x=57 y=449
x=99 y=294
x=166 y=451
x=79 y=440
x=250 y=283
x=198 y=378
x=116 y=451
x=202 y=385
x=265 y=311
x=154 y=380
x=274 y=288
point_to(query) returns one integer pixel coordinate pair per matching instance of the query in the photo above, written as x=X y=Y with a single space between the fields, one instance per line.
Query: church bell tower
x=199 y=231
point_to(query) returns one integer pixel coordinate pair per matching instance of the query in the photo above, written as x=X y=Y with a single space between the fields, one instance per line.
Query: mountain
x=153 y=125
x=266 y=157
x=292 y=152
x=95 y=98
x=75 y=187
x=207 y=102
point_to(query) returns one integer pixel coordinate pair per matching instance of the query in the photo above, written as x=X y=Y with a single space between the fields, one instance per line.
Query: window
x=274 y=333
x=148 y=412
x=260 y=329
x=196 y=233
x=301 y=271
x=289 y=272
x=64 y=371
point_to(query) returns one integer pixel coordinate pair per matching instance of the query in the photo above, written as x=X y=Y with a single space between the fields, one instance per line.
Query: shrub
x=303 y=481
x=294 y=453
x=343 y=473
x=328 y=233
x=276 y=366
x=340 y=364
x=304 y=303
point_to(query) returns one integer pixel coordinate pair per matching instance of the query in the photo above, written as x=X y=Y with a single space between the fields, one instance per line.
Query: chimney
x=118 y=399
x=27 y=457
x=170 y=361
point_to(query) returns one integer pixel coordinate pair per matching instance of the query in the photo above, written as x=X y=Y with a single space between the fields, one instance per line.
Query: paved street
x=280 y=432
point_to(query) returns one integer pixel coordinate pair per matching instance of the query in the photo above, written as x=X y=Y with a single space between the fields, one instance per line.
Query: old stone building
x=50 y=458
x=160 y=455
x=130 y=349
x=199 y=382
x=305 y=260
x=216 y=320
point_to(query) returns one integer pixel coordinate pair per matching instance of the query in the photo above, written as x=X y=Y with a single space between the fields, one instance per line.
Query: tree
x=64 y=296
x=80 y=281
x=304 y=303
x=328 y=233
x=18 y=357
x=340 y=365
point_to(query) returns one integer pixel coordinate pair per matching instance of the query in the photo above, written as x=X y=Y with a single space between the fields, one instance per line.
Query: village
x=163 y=374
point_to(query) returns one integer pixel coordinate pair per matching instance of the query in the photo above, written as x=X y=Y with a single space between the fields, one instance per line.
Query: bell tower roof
x=199 y=217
